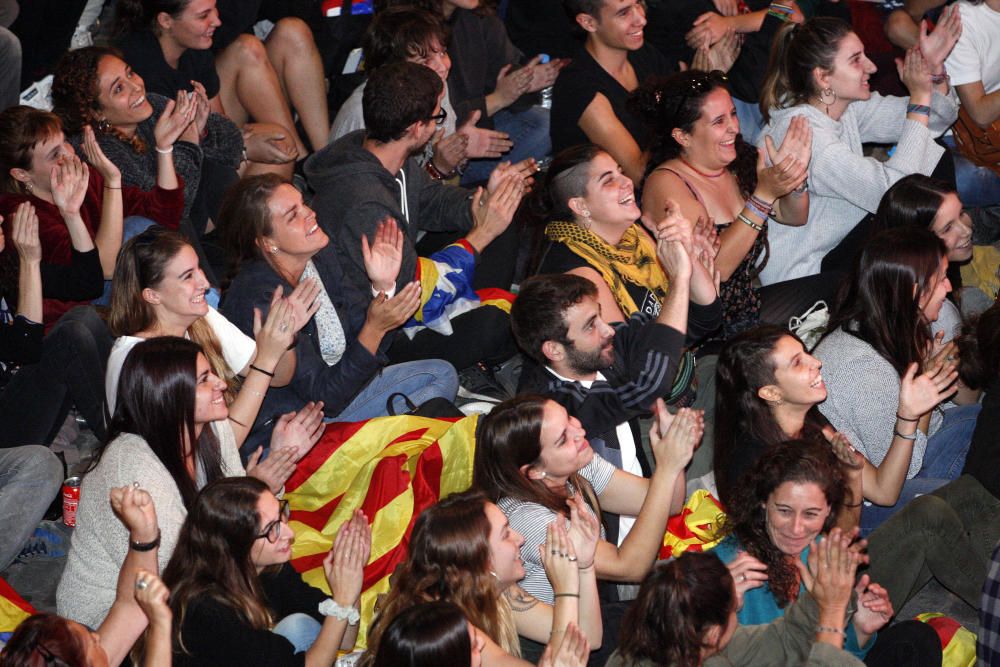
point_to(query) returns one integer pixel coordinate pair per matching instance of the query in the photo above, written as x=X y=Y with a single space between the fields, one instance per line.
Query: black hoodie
x=354 y=192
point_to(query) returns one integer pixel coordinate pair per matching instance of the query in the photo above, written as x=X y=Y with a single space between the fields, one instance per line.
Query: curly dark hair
x=75 y=90
x=676 y=102
x=801 y=461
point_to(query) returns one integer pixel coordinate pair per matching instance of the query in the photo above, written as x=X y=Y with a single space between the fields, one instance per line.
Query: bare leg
x=256 y=168
x=293 y=52
x=250 y=87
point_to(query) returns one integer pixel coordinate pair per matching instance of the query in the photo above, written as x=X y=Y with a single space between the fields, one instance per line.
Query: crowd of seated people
x=711 y=262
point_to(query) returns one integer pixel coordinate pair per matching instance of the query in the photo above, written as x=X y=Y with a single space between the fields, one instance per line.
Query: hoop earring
x=828 y=97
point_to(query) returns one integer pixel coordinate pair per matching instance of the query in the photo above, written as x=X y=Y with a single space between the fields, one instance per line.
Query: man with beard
x=605 y=375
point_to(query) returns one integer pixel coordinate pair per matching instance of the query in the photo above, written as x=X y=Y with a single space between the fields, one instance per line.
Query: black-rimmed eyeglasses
x=273 y=530
x=439 y=117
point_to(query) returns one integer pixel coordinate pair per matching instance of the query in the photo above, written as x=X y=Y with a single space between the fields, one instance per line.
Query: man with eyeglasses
x=370 y=175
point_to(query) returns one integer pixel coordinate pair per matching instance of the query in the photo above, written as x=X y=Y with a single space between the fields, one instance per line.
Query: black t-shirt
x=142 y=51
x=984 y=452
x=583 y=78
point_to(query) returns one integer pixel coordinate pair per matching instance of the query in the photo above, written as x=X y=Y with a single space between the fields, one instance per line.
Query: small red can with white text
x=71 y=500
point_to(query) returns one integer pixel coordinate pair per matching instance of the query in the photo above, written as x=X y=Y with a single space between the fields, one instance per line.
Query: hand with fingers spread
x=299 y=431
x=275 y=469
x=584 y=530
x=940 y=352
x=384 y=255
x=68 y=184
x=344 y=564
x=936 y=46
x=674 y=438
x=176 y=117
x=493 y=212
x=560 y=560
x=573 y=651
x=134 y=507
x=24 y=234
x=385 y=314
x=748 y=573
x=874 y=609
x=153 y=598
x=544 y=75
x=918 y=394
x=481 y=142
x=832 y=565
x=268 y=144
x=277 y=332
x=98 y=160
x=781 y=178
x=525 y=169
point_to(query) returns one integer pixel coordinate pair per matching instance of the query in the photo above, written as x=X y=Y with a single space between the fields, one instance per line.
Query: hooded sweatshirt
x=844 y=185
x=354 y=192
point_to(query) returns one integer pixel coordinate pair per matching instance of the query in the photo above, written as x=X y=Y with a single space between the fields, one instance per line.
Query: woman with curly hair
x=791 y=497
x=95 y=87
x=463 y=550
x=700 y=163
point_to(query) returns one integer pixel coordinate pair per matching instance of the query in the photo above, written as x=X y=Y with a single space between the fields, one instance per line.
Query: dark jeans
x=790 y=298
x=34 y=404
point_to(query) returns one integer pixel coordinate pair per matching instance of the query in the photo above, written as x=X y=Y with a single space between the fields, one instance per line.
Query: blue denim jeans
x=977 y=186
x=944 y=459
x=299 y=629
x=419 y=380
x=132 y=226
x=528 y=129
x=30 y=478
x=751 y=120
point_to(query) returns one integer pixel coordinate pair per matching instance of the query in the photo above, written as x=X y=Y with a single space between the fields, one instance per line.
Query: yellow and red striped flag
x=13 y=610
x=390 y=467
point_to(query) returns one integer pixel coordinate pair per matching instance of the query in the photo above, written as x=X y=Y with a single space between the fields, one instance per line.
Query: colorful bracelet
x=762 y=205
x=755 y=208
x=920 y=109
x=436 y=173
x=942 y=77
x=749 y=223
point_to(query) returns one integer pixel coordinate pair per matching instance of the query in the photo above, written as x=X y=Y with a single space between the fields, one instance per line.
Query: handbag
x=981 y=146
x=437 y=407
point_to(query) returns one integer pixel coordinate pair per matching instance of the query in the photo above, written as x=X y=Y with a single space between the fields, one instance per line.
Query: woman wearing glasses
x=169 y=434
x=700 y=163
x=236 y=599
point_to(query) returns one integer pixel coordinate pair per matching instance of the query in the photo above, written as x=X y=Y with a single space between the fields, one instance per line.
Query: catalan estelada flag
x=696 y=528
x=390 y=467
x=13 y=610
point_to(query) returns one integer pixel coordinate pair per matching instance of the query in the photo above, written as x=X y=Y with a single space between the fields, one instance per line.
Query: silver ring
x=950 y=358
x=572 y=559
x=142 y=584
x=284 y=327
x=553 y=552
x=743 y=578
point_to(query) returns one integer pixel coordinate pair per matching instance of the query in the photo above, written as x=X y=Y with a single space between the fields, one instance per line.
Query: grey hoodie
x=354 y=192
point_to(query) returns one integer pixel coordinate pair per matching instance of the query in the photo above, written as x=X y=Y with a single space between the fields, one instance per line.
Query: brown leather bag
x=982 y=146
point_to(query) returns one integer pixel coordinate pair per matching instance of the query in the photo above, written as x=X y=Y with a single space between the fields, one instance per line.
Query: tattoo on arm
x=520 y=600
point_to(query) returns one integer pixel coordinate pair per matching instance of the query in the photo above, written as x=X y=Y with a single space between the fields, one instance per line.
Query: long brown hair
x=213 y=556
x=801 y=461
x=678 y=603
x=449 y=558
x=142 y=262
x=796 y=51
x=245 y=218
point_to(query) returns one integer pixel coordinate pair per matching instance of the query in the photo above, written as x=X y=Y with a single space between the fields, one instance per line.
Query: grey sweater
x=844 y=185
x=100 y=541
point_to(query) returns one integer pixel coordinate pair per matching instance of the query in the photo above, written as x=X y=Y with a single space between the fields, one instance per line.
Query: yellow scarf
x=633 y=260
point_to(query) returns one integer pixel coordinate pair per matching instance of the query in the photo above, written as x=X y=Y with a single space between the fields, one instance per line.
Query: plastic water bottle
x=546 y=92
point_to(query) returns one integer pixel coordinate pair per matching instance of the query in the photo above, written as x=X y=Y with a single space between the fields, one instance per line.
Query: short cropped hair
x=539 y=312
x=590 y=7
x=398 y=95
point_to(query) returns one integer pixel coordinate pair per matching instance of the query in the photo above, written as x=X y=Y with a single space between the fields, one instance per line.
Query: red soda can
x=71 y=500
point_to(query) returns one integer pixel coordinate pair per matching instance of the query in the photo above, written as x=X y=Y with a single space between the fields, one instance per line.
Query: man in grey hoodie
x=370 y=175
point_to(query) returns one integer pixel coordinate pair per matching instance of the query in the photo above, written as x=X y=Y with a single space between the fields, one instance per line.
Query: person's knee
x=292 y=34
x=932 y=515
x=446 y=377
x=40 y=465
x=249 y=51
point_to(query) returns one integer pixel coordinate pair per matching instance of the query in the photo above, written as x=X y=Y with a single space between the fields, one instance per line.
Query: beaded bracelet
x=767 y=207
x=920 y=109
x=827 y=628
x=749 y=223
